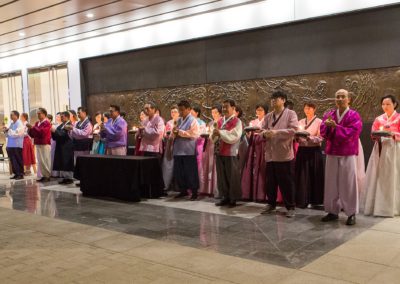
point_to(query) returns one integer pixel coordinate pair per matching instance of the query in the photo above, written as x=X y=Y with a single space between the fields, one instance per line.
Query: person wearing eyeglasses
x=115 y=132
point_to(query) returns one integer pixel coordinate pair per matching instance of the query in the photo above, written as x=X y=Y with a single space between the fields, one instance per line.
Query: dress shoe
x=268 y=209
x=351 y=220
x=222 y=202
x=43 y=179
x=290 y=213
x=329 y=217
x=13 y=177
x=78 y=184
x=232 y=204
x=19 y=177
x=193 y=197
x=66 y=181
x=181 y=195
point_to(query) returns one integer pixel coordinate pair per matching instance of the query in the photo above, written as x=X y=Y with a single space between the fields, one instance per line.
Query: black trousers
x=281 y=174
x=186 y=173
x=17 y=162
x=228 y=177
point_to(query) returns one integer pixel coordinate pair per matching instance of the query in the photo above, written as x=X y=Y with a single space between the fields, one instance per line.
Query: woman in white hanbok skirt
x=383 y=172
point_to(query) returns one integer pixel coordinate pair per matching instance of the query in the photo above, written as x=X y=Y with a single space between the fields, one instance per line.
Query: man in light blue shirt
x=15 y=140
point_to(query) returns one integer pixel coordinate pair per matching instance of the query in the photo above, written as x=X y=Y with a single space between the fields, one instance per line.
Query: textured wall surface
x=367 y=85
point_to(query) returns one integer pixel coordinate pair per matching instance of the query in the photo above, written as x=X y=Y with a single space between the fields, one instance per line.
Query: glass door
x=48 y=88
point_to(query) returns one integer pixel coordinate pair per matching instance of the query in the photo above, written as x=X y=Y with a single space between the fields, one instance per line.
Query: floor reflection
x=244 y=233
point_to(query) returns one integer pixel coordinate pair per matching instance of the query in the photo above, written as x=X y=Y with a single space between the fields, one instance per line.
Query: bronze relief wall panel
x=367 y=85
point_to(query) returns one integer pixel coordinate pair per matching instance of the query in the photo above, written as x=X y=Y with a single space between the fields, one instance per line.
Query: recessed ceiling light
x=21 y=34
x=89 y=15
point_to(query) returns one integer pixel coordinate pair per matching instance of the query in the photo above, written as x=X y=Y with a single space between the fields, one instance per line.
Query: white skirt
x=383 y=180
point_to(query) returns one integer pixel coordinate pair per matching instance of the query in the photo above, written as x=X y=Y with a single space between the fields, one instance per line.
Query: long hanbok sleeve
x=291 y=130
x=326 y=131
x=349 y=131
x=113 y=132
x=19 y=132
x=154 y=131
x=192 y=133
x=82 y=133
x=39 y=131
x=232 y=136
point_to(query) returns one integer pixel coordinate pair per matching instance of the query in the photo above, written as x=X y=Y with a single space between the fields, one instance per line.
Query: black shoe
x=351 y=220
x=329 y=217
x=13 y=177
x=19 y=177
x=78 y=184
x=193 y=197
x=232 y=204
x=68 y=181
x=43 y=179
x=268 y=209
x=223 y=202
x=181 y=195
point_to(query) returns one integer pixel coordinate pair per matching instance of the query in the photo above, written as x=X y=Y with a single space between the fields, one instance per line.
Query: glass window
x=10 y=95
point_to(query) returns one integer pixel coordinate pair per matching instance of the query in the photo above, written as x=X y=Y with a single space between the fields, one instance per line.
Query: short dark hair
x=310 y=104
x=197 y=110
x=82 y=109
x=25 y=115
x=231 y=102
x=117 y=108
x=173 y=107
x=72 y=112
x=42 y=110
x=50 y=117
x=58 y=113
x=279 y=94
x=15 y=112
x=218 y=107
x=392 y=98
x=289 y=104
x=152 y=105
x=66 y=114
x=239 y=111
x=263 y=106
x=184 y=104
x=106 y=114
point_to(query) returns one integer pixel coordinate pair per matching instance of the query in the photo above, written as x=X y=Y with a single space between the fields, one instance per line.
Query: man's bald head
x=342 y=99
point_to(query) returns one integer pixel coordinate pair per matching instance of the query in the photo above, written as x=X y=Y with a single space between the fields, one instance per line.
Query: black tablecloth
x=123 y=177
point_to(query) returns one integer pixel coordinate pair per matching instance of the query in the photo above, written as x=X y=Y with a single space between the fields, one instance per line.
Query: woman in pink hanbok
x=254 y=171
x=209 y=186
x=382 y=186
x=196 y=112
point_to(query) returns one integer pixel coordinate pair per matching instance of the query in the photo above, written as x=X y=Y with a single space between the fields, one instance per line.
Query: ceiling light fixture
x=89 y=15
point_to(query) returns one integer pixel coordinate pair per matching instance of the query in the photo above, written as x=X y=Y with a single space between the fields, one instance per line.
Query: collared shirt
x=15 y=134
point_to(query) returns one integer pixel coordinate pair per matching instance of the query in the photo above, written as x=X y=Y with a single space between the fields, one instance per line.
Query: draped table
x=123 y=177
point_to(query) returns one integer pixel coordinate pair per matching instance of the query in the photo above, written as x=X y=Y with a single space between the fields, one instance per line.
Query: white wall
x=258 y=14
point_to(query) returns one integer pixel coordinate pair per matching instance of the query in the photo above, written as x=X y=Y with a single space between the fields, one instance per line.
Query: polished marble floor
x=241 y=232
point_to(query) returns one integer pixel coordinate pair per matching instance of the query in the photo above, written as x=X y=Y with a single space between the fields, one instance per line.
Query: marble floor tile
x=240 y=231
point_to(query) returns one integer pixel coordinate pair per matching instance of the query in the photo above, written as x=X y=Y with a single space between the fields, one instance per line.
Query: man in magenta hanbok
x=341 y=127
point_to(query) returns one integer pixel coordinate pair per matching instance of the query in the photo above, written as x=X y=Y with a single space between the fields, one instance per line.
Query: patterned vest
x=185 y=146
x=225 y=149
